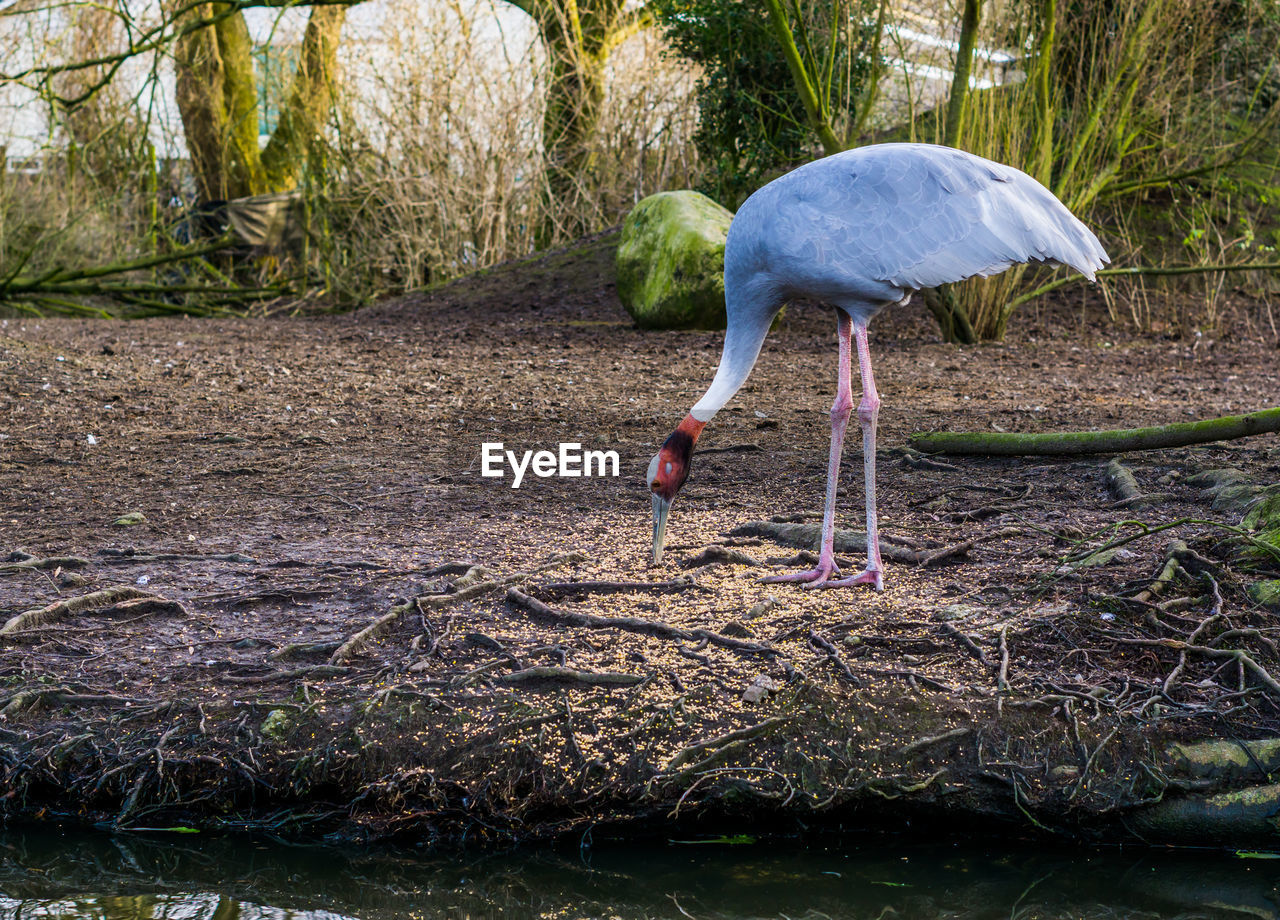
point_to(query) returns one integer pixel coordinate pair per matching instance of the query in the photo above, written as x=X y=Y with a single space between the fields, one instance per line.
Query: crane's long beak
x=661 y=508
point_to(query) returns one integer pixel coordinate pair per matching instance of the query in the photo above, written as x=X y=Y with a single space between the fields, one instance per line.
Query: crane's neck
x=751 y=310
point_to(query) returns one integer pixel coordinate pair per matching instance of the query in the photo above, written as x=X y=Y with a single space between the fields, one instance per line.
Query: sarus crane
x=861 y=230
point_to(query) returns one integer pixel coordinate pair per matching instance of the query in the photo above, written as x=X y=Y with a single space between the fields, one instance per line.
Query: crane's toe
x=873 y=577
x=813 y=578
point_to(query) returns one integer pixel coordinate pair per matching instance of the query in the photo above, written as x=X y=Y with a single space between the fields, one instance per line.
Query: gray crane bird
x=861 y=230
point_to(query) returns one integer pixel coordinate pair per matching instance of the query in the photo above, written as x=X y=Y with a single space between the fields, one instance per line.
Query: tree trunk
x=814 y=106
x=217 y=95
x=960 y=79
x=200 y=78
x=578 y=37
x=309 y=100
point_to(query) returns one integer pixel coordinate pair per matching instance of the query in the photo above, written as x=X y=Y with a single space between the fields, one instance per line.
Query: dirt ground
x=300 y=479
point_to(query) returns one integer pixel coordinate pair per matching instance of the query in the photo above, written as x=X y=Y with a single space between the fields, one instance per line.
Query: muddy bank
x=274 y=591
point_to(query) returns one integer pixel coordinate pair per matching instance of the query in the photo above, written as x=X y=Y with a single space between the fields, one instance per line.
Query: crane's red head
x=667 y=472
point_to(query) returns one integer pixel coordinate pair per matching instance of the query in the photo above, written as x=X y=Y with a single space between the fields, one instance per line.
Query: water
x=73 y=875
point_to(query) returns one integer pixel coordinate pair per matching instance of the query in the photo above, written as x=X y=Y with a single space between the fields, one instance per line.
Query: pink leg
x=868 y=411
x=841 y=409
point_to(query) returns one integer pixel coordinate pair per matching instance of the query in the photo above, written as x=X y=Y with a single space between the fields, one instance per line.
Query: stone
x=760 y=688
x=1226 y=759
x=1266 y=593
x=277 y=725
x=670 y=262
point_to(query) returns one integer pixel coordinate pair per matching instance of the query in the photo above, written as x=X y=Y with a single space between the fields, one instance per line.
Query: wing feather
x=878 y=221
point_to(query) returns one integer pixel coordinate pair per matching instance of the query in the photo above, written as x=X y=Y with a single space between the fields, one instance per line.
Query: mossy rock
x=1231 y=760
x=277 y=725
x=1237 y=818
x=1266 y=593
x=671 y=262
x=1265 y=515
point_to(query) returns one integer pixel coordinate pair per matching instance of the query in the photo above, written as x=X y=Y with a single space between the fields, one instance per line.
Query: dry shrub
x=434 y=166
x=1137 y=91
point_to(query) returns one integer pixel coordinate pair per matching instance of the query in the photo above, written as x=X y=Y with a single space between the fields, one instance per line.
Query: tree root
x=44 y=615
x=698 y=749
x=19 y=561
x=824 y=645
x=969 y=645
x=314 y=671
x=807 y=536
x=1124 y=486
x=571 y=676
x=1166 y=575
x=474 y=583
x=715 y=554
x=518 y=598
x=929 y=557
x=129 y=557
x=921 y=743
x=1242 y=657
x=556 y=590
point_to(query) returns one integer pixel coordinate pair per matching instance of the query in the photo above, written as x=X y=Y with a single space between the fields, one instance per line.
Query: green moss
x=1226 y=759
x=1265 y=515
x=671 y=262
x=277 y=725
x=1266 y=593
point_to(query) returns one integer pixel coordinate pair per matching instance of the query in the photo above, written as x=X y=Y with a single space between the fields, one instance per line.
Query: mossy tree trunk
x=217 y=95
x=1070 y=443
x=578 y=37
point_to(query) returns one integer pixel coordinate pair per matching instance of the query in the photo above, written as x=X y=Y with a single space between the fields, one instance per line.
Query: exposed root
x=698 y=749
x=518 y=598
x=921 y=743
x=929 y=557
x=571 y=676
x=62 y=609
x=969 y=645
x=715 y=553
x=1166 y=575
x=824 y=645
x=475 y=582
x=359 y=640
x=1122 y=484
x=806 y=536
x=19 y=561
x=129 y=557
x=555 y=590
x=315 y=671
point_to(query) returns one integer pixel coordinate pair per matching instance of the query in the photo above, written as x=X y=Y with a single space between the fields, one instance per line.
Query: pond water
x=71 y=875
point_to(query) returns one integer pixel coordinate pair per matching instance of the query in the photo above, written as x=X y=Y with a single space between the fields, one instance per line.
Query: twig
x=1002 y=679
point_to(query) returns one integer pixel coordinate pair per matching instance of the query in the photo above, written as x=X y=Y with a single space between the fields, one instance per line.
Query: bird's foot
x=873 y=577
x=813 y=578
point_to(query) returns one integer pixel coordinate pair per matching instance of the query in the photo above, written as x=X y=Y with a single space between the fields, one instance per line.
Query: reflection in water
x=73 y=875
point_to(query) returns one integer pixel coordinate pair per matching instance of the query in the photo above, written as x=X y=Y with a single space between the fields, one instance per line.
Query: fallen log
x=1074 y=443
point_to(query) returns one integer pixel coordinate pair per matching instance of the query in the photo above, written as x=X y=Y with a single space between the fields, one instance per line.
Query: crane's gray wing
x=913 y=216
